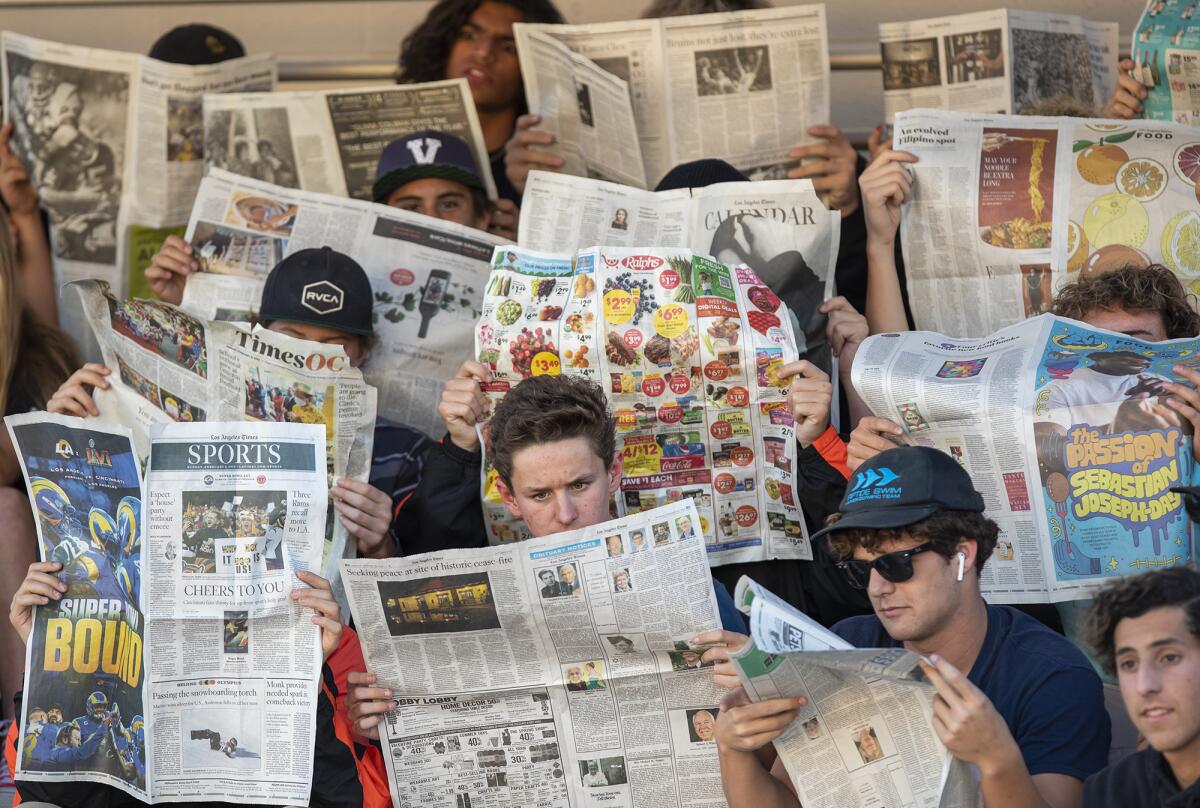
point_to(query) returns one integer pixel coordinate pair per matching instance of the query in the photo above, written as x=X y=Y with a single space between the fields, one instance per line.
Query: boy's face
x=441 y=199
x=562 y=485
x=1146 y=325
x=485 y=54
x=352 y=344
x=916 y=609
x=1158 y=669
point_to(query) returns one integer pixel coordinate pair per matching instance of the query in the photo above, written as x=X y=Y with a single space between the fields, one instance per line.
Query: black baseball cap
x=425 y=155
x=197 y=44
x=319 y=286
x=700 y=174
x=904 y=485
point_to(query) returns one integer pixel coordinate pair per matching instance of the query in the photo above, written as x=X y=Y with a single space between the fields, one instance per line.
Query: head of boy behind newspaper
x=1147 y=303
x=911 y=531
x=321 y=295
x=435 y=174
x=197 y=44
x=552 y=442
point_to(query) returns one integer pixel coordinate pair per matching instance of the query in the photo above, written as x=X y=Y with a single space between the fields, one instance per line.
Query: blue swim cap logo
x=874 y=484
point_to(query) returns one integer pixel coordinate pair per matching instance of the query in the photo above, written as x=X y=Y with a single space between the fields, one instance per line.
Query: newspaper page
x=428 y=276
x=82 y=709
x=687 y=350
x=329 y=141
x=996 y=61
x=866 y=736
x=755 y=79
x=1062 y=429
x=1165 y=50
x=557 y=672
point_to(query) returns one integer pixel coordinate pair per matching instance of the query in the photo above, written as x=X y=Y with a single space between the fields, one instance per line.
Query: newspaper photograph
x=329 y=141
x=556 y=672
x=996 y=61
x=1165 y=50
x=428 y=276
x=1063 y=432
x=1007 y=209
x=756 y=79
x=687 y=351
x=866 y=736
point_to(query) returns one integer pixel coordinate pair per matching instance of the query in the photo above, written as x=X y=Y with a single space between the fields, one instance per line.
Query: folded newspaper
x=329 y=141
x=996 y=61
x=1065 y=434
x=112 y=141
x=428 y=276
x=557 y=672
x=1164 y=50
x=120 y=690
x=740 y=86
x=1006 y=209
x=865 y=737
x=687 y=351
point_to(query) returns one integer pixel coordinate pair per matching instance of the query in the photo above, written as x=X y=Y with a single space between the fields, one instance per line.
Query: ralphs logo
x=322 y=297
x=874 y=484
x=641 y=263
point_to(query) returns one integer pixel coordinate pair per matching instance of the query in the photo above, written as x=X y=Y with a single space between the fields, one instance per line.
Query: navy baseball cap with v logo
x=902 y=486
x=424 y=155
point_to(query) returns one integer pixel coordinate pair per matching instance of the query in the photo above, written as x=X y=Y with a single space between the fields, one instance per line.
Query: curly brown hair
x=545 y=409
x=1132 y=288
x=944 y=528
x=1133 y=596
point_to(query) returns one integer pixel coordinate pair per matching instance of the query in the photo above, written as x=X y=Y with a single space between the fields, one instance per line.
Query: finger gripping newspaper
x=865 y=735
x=119 y=690
x=1066 y=434
x=556 y=672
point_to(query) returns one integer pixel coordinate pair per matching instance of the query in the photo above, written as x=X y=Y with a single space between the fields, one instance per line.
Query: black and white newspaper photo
x=547 y=673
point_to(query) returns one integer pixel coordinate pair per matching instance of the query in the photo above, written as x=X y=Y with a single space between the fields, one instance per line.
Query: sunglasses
x=895 y=567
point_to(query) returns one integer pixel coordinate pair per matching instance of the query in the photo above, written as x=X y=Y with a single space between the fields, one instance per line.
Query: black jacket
x=1143 y=779
x=446 y=502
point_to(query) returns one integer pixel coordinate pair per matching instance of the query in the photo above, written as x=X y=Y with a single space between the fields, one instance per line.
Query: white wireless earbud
x=962 y=560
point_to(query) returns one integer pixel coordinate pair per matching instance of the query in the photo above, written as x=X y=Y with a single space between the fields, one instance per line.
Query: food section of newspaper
x=1005 y=209
x=996 y=61
x=428 y=277
x=1166 y=61
x=1063 y=431
x=865 y=734
x=741 y=86
x=110 y=140
x=687 y=351
x=85 y=487
x=554 y=672
x=330 y=141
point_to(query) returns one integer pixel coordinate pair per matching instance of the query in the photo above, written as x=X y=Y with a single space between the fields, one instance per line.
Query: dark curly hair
x=426 y=50
x=945 y=528
x=1133 y=596
x=544 y=409
x=1133 y=288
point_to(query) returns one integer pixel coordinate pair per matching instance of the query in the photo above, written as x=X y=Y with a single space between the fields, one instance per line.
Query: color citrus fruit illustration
x=1187 y=162
x=1142 y=178
x=1181 y=243
x=1115 y=219
x=1077 y=247
x=1114 y=256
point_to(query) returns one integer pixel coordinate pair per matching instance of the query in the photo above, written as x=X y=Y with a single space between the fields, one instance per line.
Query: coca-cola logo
x=641 y=263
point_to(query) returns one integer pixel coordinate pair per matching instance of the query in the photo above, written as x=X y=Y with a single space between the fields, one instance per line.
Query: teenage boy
x=1028 y=713
x=1145 y=629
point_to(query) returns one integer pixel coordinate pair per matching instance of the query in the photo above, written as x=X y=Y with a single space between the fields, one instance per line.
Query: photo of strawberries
x=762 y=321
x=763 y=298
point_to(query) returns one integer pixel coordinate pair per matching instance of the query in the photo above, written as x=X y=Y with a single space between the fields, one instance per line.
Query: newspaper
x=111 y=141
x=1061 y=428
x=329 y=141
x=1166 y=62
x=687 y=351
x=866 y=736
x=996 y=61
x=167 y=710
x=741 y=86
x=428 y=276
x=556 y=672
x=1007 y=209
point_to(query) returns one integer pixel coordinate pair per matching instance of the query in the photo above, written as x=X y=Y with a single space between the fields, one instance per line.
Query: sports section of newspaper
x=1064 y=433
x=426 y=274
x=687 y=351
x=1006 y=209
x=1166 y=60
x=118 y=693
x=557 y=672
x=996 y=61
x=866 y=736
x=112 y=141
x=741 y=86
x=329 y=141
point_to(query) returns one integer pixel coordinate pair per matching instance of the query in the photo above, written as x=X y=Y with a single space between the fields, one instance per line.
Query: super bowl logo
x=261 y=479
x=63 y=449
x=641 y=263
x=208 y=479
x=97 y=457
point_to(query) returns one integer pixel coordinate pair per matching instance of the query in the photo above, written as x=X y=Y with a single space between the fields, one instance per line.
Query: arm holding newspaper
x=40 y=585
x=367 y=513
x=318 y=596
x=529 y=149
x=846 y=330
x=169 y=269
x=1127 y=96
x=366 y=704
x=751 y=774
x=74 y=397
x=831 y=163
x=871 y=436
x=885 y=186
x=463 y=404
